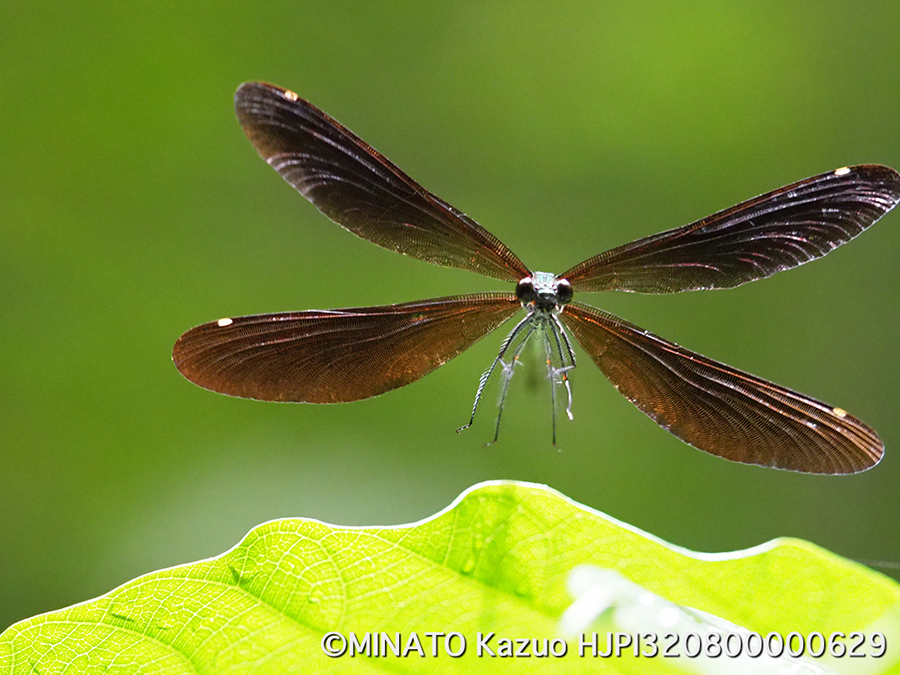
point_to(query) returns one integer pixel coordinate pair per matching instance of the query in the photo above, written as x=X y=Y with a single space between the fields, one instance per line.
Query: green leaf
x=497 y=560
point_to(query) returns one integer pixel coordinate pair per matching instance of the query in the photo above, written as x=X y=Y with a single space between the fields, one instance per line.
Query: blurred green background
x=135 y=208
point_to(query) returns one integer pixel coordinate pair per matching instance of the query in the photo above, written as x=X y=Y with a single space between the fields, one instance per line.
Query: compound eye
x=563 y=291
x=525 y=290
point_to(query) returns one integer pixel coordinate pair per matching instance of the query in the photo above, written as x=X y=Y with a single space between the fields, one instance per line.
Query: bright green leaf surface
x=497 y=560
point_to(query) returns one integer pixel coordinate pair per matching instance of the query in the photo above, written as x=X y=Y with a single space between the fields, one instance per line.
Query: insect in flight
x=331 y=356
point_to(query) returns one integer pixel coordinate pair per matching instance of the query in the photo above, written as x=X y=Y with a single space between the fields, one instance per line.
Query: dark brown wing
x=753 y=240
x=339 y=355
x=361 y=190
x=719 y=409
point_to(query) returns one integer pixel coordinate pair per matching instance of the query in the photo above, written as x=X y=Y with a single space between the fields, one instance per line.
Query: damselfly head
x=544 y=290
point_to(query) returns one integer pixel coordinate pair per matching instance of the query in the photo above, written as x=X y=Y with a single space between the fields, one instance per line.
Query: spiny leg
x=508 y=369
x=557 y=374
x=558 y=330
x=548 y=348
x=486 y=375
